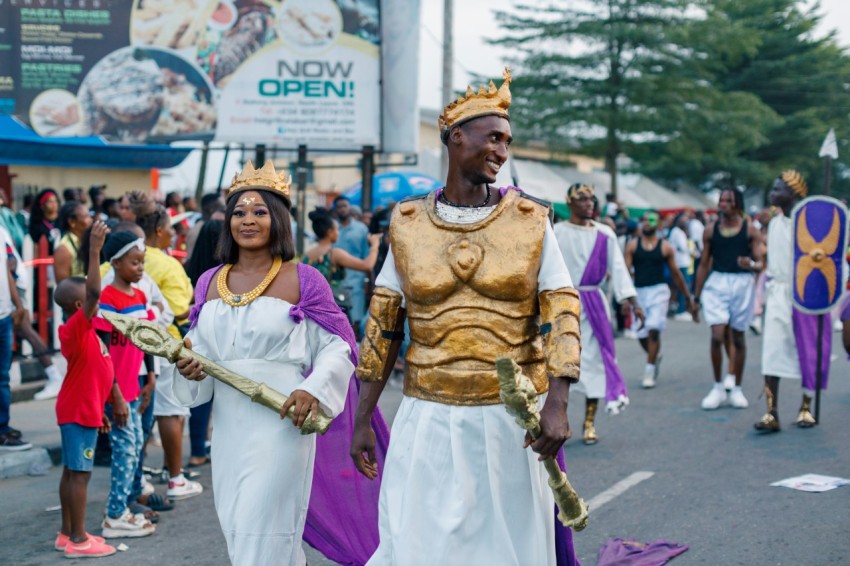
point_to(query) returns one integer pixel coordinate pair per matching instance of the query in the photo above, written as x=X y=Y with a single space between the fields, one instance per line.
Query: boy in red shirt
x=126 y=252
x=80 y=405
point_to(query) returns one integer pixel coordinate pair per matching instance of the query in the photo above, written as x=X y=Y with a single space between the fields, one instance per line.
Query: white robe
x=262 y=466
x=458 y=488
x=577 y=243
x=779 y=355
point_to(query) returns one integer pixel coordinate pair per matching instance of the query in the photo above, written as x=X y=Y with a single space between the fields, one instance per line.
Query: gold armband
x=380 y=331
x=559 y=325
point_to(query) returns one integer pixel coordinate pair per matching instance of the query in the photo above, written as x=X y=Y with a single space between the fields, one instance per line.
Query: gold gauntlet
x=380 y=331
x=559 y=325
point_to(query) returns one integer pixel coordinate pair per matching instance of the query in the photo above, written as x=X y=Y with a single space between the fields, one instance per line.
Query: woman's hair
x=204 y=253
x=322 y=221
x=67 y=213
x=149 y=214
x=280 y=238
x=37 y=213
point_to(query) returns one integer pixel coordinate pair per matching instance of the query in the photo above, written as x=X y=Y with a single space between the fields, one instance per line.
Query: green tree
x=803 y=78
x=782 y=89
x=624 y=77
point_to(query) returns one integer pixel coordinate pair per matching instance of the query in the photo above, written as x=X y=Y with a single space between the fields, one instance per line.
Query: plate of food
x=55 y=113
x=136 y=93
x=309 y=25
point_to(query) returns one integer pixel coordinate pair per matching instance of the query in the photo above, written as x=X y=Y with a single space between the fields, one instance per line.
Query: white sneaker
x=50 y=391
x=183 y=490
x=729 y=382
x=715 y=398
x=683 y=317
x=648 y=380
x=127 y=526
x=737 y=399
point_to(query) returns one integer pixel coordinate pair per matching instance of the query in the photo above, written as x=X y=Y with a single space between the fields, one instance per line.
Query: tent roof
x=20 y=145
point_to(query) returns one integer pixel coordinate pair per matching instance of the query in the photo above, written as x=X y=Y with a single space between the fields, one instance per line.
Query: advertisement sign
x=283 y=72
x=820 y=241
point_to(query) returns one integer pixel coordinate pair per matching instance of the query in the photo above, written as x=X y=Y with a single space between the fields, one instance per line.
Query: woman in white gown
x=262 y=466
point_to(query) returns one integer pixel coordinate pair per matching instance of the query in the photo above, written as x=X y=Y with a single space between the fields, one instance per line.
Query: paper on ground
x=814 y=483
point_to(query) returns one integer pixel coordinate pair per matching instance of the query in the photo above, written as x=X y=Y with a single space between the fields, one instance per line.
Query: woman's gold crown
x=487 y=101
x=263 y=179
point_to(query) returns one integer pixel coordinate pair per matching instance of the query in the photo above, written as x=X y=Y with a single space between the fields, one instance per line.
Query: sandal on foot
x=157 y=502
x=139 y=509
x=204 y=461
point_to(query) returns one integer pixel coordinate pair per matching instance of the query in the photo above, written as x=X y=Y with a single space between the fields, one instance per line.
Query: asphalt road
x=706 y=486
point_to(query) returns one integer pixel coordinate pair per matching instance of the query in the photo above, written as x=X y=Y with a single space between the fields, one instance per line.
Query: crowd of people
x=461 y=277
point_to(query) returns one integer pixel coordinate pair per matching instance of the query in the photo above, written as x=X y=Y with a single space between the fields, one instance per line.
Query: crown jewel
x=796 y=182
x=263 y=179
x=487 y=101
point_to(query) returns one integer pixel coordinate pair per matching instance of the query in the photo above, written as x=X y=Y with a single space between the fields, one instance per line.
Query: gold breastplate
x=471 y=297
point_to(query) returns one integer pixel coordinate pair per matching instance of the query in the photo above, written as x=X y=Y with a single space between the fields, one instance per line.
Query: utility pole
x=448 y=61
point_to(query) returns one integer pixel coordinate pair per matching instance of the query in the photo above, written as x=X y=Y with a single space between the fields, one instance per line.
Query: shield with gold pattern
x=820 y=242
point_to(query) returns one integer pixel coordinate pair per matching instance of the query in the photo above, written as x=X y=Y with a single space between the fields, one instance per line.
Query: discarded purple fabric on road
x=342 y=518
x=622 y=552
x=593 y=306
x=806 y=336
x=565 y=552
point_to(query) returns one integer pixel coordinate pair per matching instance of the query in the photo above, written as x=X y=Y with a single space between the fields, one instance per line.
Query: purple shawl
x=342 y=518
x=806 y=337
x=594 y=307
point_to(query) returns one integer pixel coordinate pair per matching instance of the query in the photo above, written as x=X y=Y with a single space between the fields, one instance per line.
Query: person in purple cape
x=789 y=349
x=591 y=252
x=276 y=322
x=477 y=273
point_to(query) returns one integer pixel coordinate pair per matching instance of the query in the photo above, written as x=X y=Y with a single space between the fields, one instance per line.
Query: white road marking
x=617 y=489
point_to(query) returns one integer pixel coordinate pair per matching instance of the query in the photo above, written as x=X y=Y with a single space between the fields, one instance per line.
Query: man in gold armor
x=478 y=275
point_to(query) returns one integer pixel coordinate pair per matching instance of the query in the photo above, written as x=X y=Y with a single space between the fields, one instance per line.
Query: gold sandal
x=768 y=423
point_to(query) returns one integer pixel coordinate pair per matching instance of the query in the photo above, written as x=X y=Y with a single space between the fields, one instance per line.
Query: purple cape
x=342 y=518
x=594 y=307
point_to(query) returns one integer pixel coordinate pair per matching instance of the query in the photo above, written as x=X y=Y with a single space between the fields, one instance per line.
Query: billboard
x=284 y=72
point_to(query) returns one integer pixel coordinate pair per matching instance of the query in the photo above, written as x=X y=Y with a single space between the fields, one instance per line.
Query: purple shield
x=820 y=242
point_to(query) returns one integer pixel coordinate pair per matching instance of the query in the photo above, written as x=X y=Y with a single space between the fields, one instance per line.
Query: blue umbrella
x=392 y=187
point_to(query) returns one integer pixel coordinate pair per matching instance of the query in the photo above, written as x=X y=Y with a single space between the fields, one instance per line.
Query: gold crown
x=485 y=102
x=263 y=179
x=796 y=182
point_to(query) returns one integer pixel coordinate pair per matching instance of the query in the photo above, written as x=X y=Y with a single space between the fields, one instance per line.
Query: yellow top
x=71 y=242
x=172 y=280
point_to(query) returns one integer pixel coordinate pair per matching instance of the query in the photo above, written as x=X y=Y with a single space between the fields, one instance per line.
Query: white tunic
x=577 y=243
x=458 y=488
x=779 y=356
x=262 y=466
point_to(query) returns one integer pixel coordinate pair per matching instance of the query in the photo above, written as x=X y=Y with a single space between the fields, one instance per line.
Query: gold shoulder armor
x=380 y=331
x=559 y=325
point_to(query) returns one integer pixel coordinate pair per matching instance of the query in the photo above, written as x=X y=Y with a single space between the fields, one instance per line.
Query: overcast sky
x=474 y=23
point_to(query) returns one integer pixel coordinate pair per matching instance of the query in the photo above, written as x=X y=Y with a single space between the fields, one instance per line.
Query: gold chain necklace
x=243 y=299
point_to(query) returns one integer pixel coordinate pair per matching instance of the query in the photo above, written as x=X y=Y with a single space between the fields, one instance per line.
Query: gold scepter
x=520 y=399
x=152 y=338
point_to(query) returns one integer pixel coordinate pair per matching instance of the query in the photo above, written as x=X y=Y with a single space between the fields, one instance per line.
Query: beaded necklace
x=242 y=299
x=450 y=203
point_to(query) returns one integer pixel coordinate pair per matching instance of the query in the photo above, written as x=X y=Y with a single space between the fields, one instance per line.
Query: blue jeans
x=357 y=313
x=126 y=448
x=198 y=424
x=682 y=300
x=147 y=427
x=5 y=364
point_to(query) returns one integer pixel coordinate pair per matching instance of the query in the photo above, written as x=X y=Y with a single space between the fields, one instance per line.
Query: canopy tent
x=20 y=145
x=393 y=186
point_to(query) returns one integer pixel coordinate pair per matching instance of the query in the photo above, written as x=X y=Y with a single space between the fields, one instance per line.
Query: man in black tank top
x=646 y=256
x=725 y=288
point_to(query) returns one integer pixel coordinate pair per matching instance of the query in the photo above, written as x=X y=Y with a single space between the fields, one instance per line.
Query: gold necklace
x=243 y=299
